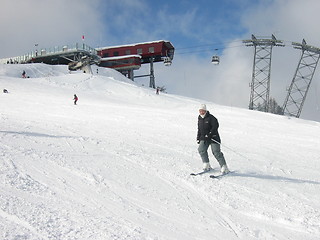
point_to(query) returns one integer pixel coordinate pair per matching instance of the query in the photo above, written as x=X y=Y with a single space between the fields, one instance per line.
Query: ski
x=219 y=175
x=216 y=176
x=200 y=173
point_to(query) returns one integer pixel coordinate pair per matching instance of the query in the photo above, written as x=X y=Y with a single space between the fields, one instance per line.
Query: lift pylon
x=301 y=81
x=260 y=85
x=152 y=83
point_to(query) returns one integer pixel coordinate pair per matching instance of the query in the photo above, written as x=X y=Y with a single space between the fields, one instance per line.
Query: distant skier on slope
x=75 y=99
x=24 y=74
x=208 y=136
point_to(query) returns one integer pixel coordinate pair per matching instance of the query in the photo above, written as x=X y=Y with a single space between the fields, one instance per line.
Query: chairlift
x=167 y=61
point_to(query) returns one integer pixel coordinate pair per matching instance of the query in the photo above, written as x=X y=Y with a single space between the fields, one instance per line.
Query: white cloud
x=48 y=23
x=289 y=19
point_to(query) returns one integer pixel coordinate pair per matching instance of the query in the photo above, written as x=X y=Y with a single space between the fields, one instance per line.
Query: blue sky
x=189 y=25
x=196 y=29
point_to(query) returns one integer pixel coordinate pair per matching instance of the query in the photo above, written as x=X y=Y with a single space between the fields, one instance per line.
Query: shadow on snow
x=273 y=178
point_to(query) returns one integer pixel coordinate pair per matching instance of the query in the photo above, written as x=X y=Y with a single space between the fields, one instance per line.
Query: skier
x=208 y=136
x=24 y=74
x=75 y=98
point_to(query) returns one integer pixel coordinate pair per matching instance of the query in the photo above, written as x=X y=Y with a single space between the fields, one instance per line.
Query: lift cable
x=213 y=46
x=204 y=50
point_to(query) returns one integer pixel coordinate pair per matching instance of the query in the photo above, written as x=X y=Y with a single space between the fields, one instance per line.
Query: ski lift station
x=127 y=58
x=123 y=58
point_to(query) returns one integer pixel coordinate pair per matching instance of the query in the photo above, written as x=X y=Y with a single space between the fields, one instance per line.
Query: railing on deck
x=49 y=51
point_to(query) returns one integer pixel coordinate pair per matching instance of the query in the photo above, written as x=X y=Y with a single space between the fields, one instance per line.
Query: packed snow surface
x=117 y=165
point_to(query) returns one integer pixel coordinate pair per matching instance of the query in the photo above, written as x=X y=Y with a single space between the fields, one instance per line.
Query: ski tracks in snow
x=237 y=203
x=146 y=195
x=195 y=208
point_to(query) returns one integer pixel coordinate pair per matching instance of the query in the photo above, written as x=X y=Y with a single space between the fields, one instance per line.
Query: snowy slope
x=117 y=165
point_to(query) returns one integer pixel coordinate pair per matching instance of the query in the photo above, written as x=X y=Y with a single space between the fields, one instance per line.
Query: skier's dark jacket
x=208 y=128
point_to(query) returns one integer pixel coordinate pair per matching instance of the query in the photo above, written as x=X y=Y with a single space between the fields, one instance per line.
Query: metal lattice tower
x=301 y=81
x=260 y=85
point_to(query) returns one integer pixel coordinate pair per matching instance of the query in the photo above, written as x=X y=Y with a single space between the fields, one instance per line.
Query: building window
x=115 y=53
x=128 y=52
x=105 y=55
x=151 y=49
x=139 y=51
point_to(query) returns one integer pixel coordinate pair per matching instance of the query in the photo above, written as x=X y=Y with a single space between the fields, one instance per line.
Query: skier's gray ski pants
x=215 y=148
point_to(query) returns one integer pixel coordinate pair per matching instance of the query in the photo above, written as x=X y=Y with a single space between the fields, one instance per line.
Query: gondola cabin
x=215 y=60
x=167 y=61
